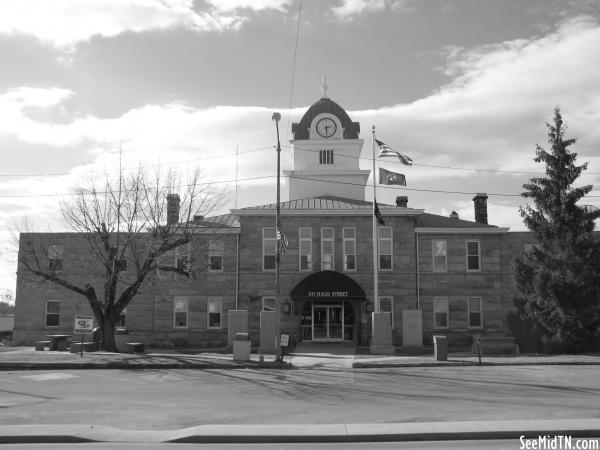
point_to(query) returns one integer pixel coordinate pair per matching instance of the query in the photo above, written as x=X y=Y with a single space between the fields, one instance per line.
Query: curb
x=366 y=365
x=143 y=366
x=309 y=433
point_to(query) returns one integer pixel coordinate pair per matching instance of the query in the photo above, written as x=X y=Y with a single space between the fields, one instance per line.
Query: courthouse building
x=457 y=273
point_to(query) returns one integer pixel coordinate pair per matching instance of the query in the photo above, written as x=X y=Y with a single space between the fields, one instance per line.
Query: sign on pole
x=84 y=324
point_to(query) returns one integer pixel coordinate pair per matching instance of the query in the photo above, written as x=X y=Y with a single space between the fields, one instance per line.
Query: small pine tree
x=559 y=280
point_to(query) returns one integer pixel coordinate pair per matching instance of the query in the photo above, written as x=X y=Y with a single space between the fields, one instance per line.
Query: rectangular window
x=349 y=249
x=164 y=260
x=268 y=304
x=326 y=248
x=122 y=320
x=475 y=312
x=440 y=255
x=215 y=256
x=55 y=257
x=440 y=312
x=213 y=312
x=325 y=156
x=305 y=239
x=473 y=256
x=182 y=257
x=269 y=248
x=52 y=313
x=385 y=248
x=180 y=312
x=386 y=304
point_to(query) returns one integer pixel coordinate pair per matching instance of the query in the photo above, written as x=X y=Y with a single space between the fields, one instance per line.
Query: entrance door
x=328 y=323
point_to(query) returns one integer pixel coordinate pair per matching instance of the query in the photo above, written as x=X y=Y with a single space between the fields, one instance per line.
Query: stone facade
x=458 y=273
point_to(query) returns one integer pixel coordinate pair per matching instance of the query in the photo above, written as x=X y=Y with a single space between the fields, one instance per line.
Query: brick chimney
x=402 y=201
x=480 y=204
x=172 y=209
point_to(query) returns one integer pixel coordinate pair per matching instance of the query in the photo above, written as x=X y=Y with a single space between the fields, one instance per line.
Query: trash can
x=241 y=347
x=440 y=344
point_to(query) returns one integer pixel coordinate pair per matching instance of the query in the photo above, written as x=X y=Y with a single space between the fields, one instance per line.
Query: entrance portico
x=330 y=303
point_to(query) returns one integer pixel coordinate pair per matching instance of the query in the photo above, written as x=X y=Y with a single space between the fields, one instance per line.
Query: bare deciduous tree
x=131 y=223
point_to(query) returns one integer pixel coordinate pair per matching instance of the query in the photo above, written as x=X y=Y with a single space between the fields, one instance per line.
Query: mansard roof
x=325 y=105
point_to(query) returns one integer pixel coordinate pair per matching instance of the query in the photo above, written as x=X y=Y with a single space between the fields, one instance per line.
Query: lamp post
x=277 y=117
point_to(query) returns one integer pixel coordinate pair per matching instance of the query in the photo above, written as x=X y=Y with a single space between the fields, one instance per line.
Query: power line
x=394 y=187
x=174 y=163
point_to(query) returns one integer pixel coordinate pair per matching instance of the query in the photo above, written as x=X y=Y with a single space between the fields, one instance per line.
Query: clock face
x=326 y=127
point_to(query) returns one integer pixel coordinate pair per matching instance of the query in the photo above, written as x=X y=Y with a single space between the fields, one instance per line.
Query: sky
x=464 y=87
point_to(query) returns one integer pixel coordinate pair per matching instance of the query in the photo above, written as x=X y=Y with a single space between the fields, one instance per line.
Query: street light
x=278 y=357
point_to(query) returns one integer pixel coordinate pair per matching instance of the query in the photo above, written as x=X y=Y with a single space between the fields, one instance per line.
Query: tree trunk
x=108 y=331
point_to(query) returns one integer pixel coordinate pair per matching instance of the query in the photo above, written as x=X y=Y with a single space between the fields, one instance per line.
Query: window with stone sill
x=215 y=256
x=349 y=235
x=52 y=313
x=385 y=248
x=475 y=312
x=180 y=312
x=305 y=247
x=269 y=248
x=214 y=312
x=268 y=304
x=441 y=317
x=473 y=255
x=440 y=255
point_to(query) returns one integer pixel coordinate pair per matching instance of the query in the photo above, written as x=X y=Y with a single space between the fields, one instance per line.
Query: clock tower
x=326 y=149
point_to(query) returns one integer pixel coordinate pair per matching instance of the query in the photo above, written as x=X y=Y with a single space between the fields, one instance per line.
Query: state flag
x=388 y=177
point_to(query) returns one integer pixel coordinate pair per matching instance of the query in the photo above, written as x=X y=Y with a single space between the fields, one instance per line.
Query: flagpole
x=375 y=235
x=278 y=357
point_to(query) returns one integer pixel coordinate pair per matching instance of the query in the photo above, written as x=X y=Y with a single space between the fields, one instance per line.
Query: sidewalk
x=26 y=358
x=375 y=432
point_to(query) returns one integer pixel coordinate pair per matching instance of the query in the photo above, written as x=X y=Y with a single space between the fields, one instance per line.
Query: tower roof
x=325 y=105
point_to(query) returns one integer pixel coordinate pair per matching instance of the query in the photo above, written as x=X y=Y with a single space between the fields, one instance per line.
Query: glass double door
x=328 y=323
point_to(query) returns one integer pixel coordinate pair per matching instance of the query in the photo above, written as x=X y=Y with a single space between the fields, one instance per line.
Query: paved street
x=169 y=399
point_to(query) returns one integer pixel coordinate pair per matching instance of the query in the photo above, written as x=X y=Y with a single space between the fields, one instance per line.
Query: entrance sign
x=84 y=324
x=327 y=285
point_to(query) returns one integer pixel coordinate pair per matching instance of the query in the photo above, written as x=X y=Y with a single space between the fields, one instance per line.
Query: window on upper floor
x=215 y=256
x=349 y=249
x=473 y=255
x=55 y=258
x=305 y=253
x=385 y=248
x=327 y=248
x=440 y=255
x=325 y=156
x=269 y=248
x=183 y=256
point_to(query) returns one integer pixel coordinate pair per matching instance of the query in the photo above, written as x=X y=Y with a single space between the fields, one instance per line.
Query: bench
x=135 y=347
x=494 y=345
x=40 y=346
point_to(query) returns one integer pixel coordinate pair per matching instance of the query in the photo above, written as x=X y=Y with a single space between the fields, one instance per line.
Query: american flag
x=282 y=242
x=385 y=150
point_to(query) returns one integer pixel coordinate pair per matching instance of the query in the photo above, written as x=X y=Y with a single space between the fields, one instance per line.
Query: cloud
x=255 y=5
x=349 y=10
x=64 y=23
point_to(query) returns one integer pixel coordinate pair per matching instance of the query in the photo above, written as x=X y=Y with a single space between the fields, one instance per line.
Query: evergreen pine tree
x=559 y=280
